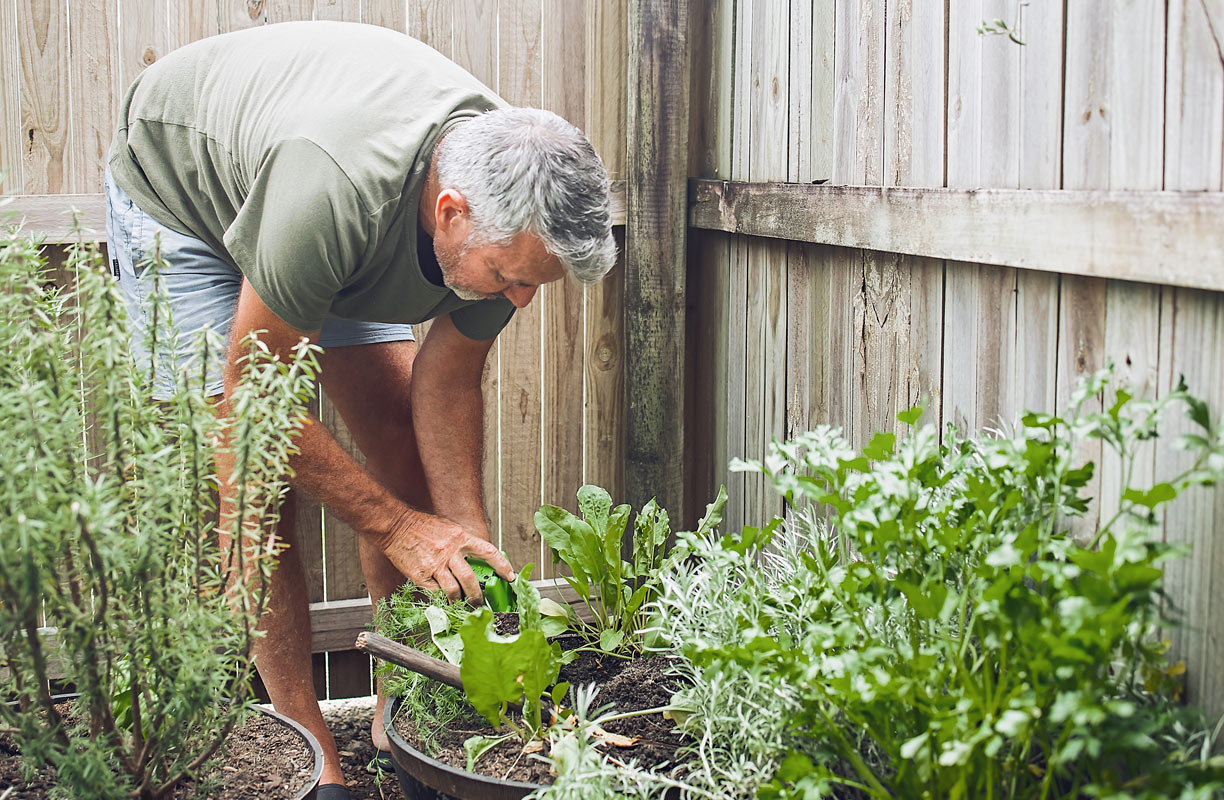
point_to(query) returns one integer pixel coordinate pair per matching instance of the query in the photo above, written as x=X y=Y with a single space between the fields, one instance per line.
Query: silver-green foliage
x=924 y=625
x=113 y=566
x=945 y=636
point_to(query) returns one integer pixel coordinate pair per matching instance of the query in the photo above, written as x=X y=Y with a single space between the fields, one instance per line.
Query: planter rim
x=460 y=774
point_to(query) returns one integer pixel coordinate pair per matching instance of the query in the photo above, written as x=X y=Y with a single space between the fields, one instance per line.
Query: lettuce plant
x=615 y=591
x=114 y=566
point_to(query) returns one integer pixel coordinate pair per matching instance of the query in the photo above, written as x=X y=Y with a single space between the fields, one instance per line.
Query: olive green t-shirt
x=299 y=150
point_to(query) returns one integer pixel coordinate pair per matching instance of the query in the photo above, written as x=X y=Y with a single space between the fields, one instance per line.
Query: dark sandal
x=332 y=791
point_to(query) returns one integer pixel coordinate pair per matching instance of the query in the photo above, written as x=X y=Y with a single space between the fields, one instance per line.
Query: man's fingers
x=448 y=584
x=467 y=579
x=484 y=549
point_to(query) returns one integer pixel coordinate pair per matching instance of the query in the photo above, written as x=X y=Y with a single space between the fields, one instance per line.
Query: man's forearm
x=329 y=474
x=449 y=425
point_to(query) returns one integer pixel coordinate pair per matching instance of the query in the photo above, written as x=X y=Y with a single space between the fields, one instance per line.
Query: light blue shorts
x=202 y=289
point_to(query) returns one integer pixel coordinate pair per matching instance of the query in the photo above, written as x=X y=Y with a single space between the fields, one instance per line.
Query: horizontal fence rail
x=1170 y=238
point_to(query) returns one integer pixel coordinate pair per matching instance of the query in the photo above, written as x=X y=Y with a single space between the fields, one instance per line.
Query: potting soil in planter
x=630 y=685
x=263 y=760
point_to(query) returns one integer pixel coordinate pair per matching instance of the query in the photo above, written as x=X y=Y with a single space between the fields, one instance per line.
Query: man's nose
x=520 y=296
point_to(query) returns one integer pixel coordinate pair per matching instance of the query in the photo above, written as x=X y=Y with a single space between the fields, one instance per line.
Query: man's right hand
x=432 y=552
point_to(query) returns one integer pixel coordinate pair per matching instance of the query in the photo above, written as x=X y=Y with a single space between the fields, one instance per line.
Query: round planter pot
x=312 y=786
x=425 y=778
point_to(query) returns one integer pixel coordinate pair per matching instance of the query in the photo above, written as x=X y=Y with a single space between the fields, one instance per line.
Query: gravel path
x=349 y=721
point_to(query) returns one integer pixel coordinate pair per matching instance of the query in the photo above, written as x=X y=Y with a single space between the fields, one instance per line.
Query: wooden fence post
x=655 y=252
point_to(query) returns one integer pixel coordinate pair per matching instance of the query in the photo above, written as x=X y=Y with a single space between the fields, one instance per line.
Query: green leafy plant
x=499 y=672
x=931 y=629
x=113 y=567
x=615 y=591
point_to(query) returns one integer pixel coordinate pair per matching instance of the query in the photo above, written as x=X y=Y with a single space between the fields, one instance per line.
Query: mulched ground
x=349 y=721
x=254 y=767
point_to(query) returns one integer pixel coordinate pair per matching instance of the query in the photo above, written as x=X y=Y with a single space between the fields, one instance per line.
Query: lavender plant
x=117 y=572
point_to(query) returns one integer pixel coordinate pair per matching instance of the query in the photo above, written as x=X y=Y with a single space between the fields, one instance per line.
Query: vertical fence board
x=288 y=10
x=11 y=129
x=43 y=52
x=387 y=13
x=737 y=513
x=520 y=348
x=1112 y=139
x=712 y=50
x=191 y=20
x=343 y=564
x=432 y=22
x=807 y=357
x=870 y=279
x=348 y=674
x=473 y=45
x=1194 y=99
x=564 y=85
x=338 y=10
x=93 y=28
x=144 y=33
x=765 y=372
x=606 y=82
x=902 y=340
x=1195 y=330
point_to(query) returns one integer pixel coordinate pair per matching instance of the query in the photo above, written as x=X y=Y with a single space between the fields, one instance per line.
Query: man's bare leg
x=369 y=386
x=283 y=653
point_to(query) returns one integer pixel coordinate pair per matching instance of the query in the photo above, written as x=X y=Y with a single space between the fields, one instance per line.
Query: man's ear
x=451 y=209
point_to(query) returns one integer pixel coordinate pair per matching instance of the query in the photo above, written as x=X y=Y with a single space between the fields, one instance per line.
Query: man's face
x=486 y=272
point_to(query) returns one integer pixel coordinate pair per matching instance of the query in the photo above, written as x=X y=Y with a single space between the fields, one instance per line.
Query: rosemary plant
x=117 y=574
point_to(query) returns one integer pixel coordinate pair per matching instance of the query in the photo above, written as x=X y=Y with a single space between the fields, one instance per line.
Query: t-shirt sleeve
x=299 y=234
x=483 y=320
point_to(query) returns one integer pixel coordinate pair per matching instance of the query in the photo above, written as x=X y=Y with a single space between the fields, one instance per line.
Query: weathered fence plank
x=563 y=92
x=1192 y=332
x=144 y=37
x=46 y=161
x=520 y=346
x=387 y=13
x=1170 y=238
x=93 y=45
x=11 y=179
x=655 y=253
x=768 y=108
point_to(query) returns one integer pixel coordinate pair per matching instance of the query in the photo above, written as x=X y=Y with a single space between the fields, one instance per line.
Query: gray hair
x=528 y=170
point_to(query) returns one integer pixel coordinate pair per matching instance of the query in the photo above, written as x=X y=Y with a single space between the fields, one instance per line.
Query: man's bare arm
x=448 y=416
x=428 y=549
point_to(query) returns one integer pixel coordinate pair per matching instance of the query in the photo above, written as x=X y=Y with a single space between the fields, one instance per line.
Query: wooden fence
x=891 y=208
x=960 y=220
x=553 y=385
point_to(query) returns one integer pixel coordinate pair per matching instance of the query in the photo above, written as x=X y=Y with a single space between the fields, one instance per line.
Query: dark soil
x=630 y=685
x=264 y=760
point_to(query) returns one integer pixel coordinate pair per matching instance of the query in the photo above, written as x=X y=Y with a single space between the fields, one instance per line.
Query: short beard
x=447 y=257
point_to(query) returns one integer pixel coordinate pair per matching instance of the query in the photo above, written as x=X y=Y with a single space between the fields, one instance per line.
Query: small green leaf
x=477 y=746
x=1160 y=493
x=610 y=639
x=881 y=446
x=910 y=416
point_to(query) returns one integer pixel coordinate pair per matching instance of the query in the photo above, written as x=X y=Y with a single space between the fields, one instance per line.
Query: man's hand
x=432 y=551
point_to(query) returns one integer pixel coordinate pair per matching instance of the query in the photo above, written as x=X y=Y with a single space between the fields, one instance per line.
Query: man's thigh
x=370 y=386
